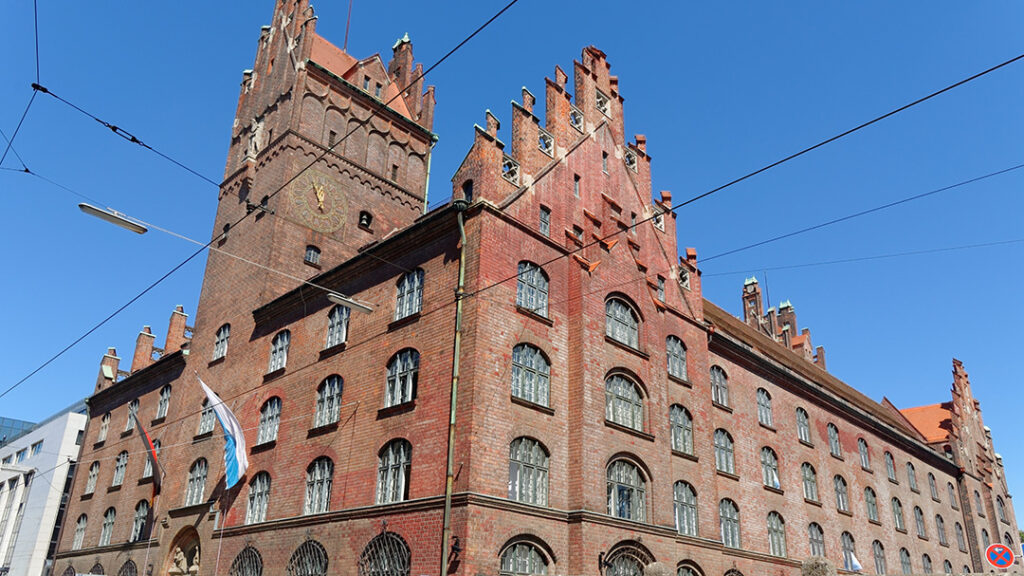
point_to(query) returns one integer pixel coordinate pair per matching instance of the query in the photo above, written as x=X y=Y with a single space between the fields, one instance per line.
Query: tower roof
x=928 y=420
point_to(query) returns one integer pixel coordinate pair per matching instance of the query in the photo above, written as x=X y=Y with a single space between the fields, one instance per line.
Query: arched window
x=531 y=374
x=849 y=551
x=1007 y=540
x=622 y=323
x=108 y=526
x=911 y=476
x=764 y=407
x=196 y=483
x=985 y=540
x=905 y=566
x=688 y=568
x=140 y=523
x=961 y=542
x=128 y=569
x=532 y=289
x=328 y=400
x=133 y=410
x=724 y=452
x=164 y=403
x=337 y=325
x=309 y=559
x=769 y=468
x=386 y=555
x=270 y=418
x=940 y=528
x=147 y=470
x=259 y=497
x=94 y=474
x=220 y=344
x=528 y=472
x=776 y=534
x=685 y=508
x=120 y=466
x=365 y=219
x=69 y=571
x=926 y=564
x=729 y=518
x=947 y=567
x=410 y=294
x=871 y=502
x=624 y=565
x=80 y=527
x=834 y=447
x=522 y=559
x=1001 y=508
x=97 y=568
x=626 y=491
x=803 y=426
x=897 y=514
x=817 y=539
x=719 y=386
x=676 y=352
x=319 y=476
x=393 y=464
x=890 y=466
x=312 y=255
x=977 y=503
x=879 y=552
x=953 y=500
x=206 y=419
x=919 y=520
x=810 y=481
x=279 y=350
x=865 y=458
x=104 y=426
x=932 y=487
x=842 y=496
x=682 y=429
x=623 y=403
x=403 y=372
x=247 y=563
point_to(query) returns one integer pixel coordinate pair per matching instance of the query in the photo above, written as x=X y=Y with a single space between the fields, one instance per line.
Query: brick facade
x=575 y=167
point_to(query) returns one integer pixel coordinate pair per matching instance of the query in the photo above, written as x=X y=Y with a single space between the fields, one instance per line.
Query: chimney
x=819 y=357
x=492 y=124
x=176 y=339
x=528 y=100
x=691 y=256
x=561 y=78
x=641 y=142
x=108 y=370
x=143 y=349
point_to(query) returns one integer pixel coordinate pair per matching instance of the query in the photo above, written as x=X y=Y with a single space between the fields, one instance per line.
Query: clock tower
x=328 y=153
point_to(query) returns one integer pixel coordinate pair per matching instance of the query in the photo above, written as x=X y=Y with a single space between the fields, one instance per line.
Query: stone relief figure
x=256 y=137
x=180 y=565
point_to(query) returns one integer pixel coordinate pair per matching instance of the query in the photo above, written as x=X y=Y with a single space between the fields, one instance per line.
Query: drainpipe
x=426 y=185
x=446 y=535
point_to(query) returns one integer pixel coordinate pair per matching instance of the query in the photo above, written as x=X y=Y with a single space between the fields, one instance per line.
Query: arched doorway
x=183 y=558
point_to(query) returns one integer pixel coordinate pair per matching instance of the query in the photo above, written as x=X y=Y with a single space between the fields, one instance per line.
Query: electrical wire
x=35 y=19
x=13 y=149
x=10 y=141
x=773 y=164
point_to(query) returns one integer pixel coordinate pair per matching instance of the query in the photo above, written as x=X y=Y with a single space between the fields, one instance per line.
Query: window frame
x=835 y=447
x=675 y=355
x=776 y=534
x=328 y=401
x=319 y=482
x=803 y=425
x=279 y=346
x=842 y=490
x=810 y=482
x=528 y=471
x=196 y=486
x=725 y=457
x=402 y=379
x=719 y=386
x=770 y=468
x=684 y=499
x=221 y=341
x=258 y=499
x=626 y=490
x=764 y=408
x=622 y=321
x=729 y=523
x=621 y=407
x=337 y=326
x=394 y=461
x=532 y=288
x=409 y=297
x=681 y=424
x=270 y=420
x=164 y=403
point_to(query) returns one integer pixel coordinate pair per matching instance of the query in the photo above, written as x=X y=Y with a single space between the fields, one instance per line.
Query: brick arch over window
x=688 y=568
x=309 y=559
x=525 y=555
x=247 y=563
x=69 y=571
x=623 y=320
x=625 y=397
x=533 y=539
x=625 y=554
x=386 y=554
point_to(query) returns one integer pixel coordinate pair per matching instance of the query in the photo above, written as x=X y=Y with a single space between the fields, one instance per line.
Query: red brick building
x=528 y=395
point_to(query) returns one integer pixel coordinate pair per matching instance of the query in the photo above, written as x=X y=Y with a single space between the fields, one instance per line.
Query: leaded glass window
x=776 y=535
x=769 y=468
x=810 y=481
x=676 y=352
x=164 y=403
x=682 y=429
x=522 y=559
x=120 y=466
x=337 y=325
x=871 y=502
x=848 y=550
x=865 y=458
x=109 y=517
x=626 y=491
x=309 y=559
x=90 y=482
x=403 y=372
x=842 y=495
x=393 y=464
x=532 y=288
x=623 y=403
x=140 y=523
x=319 y=476
x=622 y=324
x=685 y=508
x=879 y=553
x=328 y=401
x=897 y=514
x=816 y=536
x=220 y=343
x=531 y=374
x=803 y=425
x=279 y=350
x=724 y=452
x=729 y=518
x=410 y=294
x=719 y=386
x=196 y=482
x=834 y=447
x=270 y=418
x=80 y=527
x=764 y=407
x=528 y=472
x=259 y=497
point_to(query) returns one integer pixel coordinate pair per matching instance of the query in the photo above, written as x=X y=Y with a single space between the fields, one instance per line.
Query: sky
x=719 y=89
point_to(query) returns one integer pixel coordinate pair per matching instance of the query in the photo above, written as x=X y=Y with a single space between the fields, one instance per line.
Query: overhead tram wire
x=10 y=141
x=13 y=149
x=771 y=165
x=237 y=222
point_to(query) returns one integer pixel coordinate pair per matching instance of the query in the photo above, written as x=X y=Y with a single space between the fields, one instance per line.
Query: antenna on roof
x=347 y=22
x=767 y=295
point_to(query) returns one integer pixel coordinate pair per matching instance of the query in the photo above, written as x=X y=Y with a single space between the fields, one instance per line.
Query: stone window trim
x=510 y=170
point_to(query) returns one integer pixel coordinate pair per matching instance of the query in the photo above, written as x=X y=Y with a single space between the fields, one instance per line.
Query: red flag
x=150 y=454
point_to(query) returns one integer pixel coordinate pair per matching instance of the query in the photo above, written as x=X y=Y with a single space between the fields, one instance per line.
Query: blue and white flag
x=235 y=459
x=854 y=563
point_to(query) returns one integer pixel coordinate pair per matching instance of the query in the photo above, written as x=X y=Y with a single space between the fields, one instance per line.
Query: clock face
x=318 y=202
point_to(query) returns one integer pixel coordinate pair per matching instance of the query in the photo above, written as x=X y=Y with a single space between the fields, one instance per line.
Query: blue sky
x=718 y=89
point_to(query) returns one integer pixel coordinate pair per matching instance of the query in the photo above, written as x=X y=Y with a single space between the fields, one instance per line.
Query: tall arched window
x=953 y=500
x=164 y=403
x=803 y=426
x=685 y=508
x=403 y=373
x=890 y=466
x=220 y=343
x=919 y=520
x=393 y=464
x=865 y=458
x=328 y=400
x=932 y=487
x=623 y=403
x=947 y=567
x=977 y=503
x=1001 y=508
x=961 y=542
x=724 y=452
x=985 y=540
x=834 y=447
x=532 y=288
x=719 y=386
x=626 y=491
x=1007 y=539
x=769 y=468
x=259 y=498
x=247 y=563
x=94 y=474
x=410 y=294
x=279 y=350
x=871 y=503
x=196 y=483
x=682 y=429
x=688 y=568
x=319 y=476
x=729 y=518
x=810 y=481
x=386 y=555
x=309 y=559
x=879 y=552
x=531 y=374
x=80 y=526
x=849 y=551
x=905 y=566
x=764 y=407
x=104 y=426
x=337 y=325
x=522 y=559
x=140 y=523
x=147 y=470
x=842 y=495
x=109 y=517
x=897 y=514
x=940 y=529
x=120 y=466
x=926 y=564
x=676 y=353
x=133 y=409
x=622 y=323
x=206 y=419
x=816 y=536
x=270 y=418
x=911 y=476
x=776 y=534
x=528 y=472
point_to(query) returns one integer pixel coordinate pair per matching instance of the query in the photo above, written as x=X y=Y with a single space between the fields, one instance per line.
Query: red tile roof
x=330 y=56
x=928 y=420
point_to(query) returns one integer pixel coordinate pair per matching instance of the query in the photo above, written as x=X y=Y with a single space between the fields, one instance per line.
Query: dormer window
x=510 y=170
x=576 y=119
x=629 y=157
x=312 y=255
x=365 y=219
x=603 y=104
x=366 y=83
x=376 y=90
x=546 y=142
